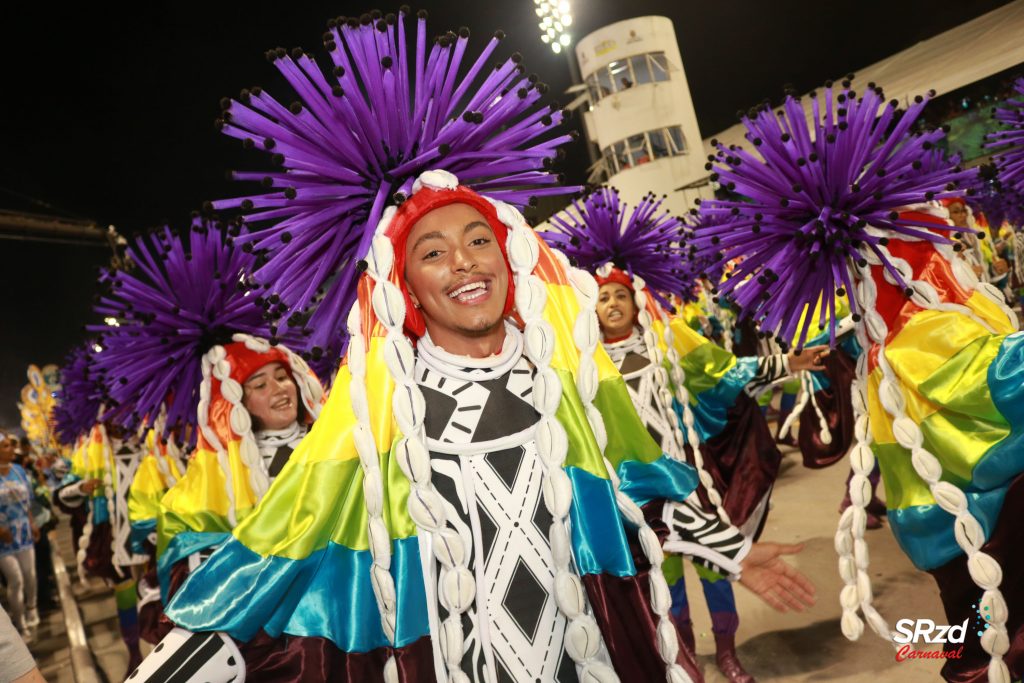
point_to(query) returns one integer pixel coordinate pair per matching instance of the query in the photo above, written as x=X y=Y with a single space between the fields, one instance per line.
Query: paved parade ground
x=810 y=646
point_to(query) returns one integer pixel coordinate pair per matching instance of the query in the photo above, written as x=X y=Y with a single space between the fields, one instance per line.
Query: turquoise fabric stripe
x=240 y=592
x=180 y=547
x=664 y=478
x=712 y=407
x=140 y=531
x=598 y=537
x=100 y=513
x=925 y=532
x=1005 y=460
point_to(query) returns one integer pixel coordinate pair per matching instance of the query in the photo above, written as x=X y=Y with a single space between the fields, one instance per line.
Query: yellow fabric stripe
x=927 y=341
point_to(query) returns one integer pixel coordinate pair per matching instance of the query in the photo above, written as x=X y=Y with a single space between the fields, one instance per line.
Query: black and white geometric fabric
x=645 y=391
x=127 y=455
x=186 y=657
x=480 y=423
x=704 y=537
x=276 y=446
x=770 y=369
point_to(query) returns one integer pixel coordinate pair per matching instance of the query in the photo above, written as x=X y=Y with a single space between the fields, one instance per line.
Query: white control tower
x=640 y=114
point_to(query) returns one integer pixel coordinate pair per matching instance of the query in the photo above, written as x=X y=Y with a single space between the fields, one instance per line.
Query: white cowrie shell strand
x=984 y=570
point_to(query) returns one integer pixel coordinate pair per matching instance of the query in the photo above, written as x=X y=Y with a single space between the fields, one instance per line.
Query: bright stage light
x=556 y=17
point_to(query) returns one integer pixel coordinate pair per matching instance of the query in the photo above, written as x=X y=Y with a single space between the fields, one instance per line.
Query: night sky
x=108 y=115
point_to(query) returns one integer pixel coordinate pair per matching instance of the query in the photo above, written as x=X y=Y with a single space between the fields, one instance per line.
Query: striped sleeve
x=705 y=538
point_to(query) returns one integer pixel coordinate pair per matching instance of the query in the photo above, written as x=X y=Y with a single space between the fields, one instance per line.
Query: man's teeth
x=467 y=288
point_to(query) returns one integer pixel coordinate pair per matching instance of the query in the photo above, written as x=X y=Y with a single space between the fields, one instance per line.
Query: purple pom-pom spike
x=1009 y=142
x=646 y=242
x=80 y=397
x=185 y=293
x=344 y=151
x=812 y=188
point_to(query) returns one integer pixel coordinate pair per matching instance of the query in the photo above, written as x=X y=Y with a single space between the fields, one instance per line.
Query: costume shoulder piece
x=842 y=199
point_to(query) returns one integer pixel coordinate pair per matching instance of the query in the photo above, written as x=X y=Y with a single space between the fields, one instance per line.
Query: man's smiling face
x=456 y=273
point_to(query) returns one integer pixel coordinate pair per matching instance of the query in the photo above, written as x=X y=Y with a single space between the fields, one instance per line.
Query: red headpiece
x=421 y=203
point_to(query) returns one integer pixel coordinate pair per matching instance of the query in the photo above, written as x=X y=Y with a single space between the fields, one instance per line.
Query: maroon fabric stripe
x=622 y=608
x=743 y=460
x=836 y=405
x=99 y=558
x=292 y=659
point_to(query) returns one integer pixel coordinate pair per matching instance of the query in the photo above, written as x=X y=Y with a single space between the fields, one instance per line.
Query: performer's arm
x=73 y=495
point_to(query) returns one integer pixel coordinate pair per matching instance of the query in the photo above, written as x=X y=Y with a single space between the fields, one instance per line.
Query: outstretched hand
x=770 y=578
x=810 y=358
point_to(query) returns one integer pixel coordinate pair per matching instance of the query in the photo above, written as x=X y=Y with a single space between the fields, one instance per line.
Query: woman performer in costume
x=185 y=350
x=638 y=263
x=465 y=493
x=840 y=200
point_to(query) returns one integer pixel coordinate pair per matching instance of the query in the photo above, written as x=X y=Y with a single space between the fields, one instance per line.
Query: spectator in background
x=16 y=663
x=18 y=534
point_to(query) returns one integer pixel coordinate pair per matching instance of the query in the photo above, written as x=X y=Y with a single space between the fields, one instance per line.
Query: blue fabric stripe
x=664 y=478
x=925 y=532
x=598 y=537
x=140 y=531
x=240 y=592
x=180 y=547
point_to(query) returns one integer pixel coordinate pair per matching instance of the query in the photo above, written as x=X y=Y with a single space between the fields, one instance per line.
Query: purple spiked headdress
x=999 y=203
x=356 y=137
x=187 y=292
x=80 y=396
x=1010 y=161
x=646 y=242
x=823 y=189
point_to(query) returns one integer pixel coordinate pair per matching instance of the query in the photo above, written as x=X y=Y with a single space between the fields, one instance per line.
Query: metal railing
x=82 y=664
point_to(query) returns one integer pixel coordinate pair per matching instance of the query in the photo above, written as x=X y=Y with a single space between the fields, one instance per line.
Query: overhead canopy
x=970 y=52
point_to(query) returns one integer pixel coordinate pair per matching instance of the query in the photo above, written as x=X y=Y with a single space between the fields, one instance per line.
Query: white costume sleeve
x=186 y=657
x=72 y=495
x=704 y=537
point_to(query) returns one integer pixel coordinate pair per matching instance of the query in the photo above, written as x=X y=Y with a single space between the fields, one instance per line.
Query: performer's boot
x=727 y=660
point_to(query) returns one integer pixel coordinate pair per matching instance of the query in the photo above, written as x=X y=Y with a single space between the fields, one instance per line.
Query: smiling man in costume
x=468 y=505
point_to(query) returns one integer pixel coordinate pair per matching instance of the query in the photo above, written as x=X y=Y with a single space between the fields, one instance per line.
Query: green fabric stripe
x=705 y=366
x=628 y=438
